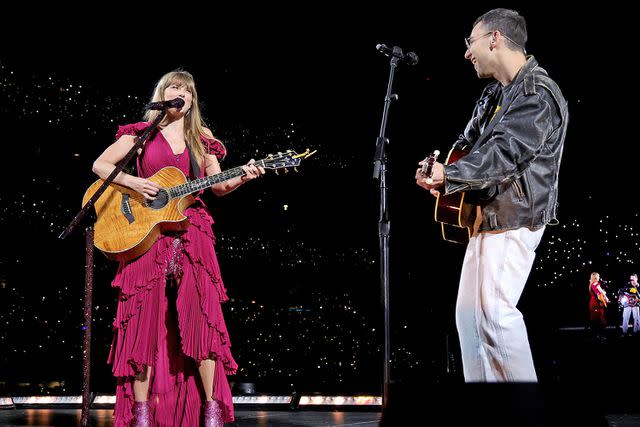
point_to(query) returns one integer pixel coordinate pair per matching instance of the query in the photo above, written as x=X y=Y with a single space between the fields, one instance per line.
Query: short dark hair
x=510 y=23
x=634 y=275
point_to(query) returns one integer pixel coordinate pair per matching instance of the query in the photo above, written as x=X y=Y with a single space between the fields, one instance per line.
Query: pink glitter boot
x=213 y=414
x=141 y=415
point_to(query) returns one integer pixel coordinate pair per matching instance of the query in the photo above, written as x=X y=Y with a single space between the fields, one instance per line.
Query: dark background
x=305 y=308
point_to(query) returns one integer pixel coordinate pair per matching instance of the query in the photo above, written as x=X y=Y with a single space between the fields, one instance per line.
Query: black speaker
x=493 y=404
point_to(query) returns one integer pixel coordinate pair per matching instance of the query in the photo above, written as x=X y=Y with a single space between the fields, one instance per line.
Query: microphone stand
x=88 y=289
x=384 y=225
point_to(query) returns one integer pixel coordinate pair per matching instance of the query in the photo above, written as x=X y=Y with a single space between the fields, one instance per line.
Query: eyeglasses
x=468 y=40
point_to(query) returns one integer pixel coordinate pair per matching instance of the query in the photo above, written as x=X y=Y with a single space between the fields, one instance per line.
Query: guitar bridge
x=125 y=208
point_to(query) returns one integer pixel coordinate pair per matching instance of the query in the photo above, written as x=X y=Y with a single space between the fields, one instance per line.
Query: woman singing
x=170 y=350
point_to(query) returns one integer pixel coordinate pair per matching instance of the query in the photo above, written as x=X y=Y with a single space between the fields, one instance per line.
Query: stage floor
x=102 y=418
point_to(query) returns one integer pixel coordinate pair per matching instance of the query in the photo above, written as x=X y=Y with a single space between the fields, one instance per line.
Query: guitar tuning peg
x=286 y=170
x=276 y=171
x=295 y=169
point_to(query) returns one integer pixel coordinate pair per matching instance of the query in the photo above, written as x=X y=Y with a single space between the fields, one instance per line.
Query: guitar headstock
x=288 y=159
x=427 y=166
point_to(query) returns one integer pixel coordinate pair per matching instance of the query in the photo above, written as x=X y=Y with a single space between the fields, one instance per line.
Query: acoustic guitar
x=603 y=300
x=454 y=214
x=127 y=224
x=628 y=298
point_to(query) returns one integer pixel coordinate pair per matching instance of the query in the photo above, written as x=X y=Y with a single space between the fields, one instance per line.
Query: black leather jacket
x=512 y=169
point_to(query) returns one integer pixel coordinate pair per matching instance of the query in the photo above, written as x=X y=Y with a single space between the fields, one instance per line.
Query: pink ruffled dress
x=168 y=326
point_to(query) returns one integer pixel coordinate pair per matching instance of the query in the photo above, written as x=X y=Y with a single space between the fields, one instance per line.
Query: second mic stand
x=88 y=289
x=384 y=225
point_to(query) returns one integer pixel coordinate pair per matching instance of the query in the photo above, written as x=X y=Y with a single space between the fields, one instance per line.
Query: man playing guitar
x=516 y=136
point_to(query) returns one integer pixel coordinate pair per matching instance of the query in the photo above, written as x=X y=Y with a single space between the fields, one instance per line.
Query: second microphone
x=410 y=57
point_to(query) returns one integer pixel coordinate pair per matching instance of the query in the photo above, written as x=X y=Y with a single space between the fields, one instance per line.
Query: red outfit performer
x=170 y=351
x=597 y=303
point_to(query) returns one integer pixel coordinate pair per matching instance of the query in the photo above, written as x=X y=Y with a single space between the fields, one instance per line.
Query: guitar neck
x=196 y=185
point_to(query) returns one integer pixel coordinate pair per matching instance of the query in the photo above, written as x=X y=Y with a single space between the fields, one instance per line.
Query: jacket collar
x=524 y=71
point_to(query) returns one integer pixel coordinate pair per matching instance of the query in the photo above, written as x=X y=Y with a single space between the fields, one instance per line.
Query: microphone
x=165 y=105
x=410 y=57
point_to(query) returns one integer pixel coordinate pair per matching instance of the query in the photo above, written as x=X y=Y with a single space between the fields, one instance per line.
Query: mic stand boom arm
x=139 y=143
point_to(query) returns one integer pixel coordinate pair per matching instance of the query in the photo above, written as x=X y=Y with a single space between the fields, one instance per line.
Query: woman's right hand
x=147 y=188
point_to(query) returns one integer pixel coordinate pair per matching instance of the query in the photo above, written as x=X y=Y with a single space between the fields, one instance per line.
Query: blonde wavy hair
x=194 y=125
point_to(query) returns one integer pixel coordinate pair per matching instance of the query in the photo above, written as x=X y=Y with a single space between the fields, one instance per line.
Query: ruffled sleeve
x=133 y=129
x=214 y=146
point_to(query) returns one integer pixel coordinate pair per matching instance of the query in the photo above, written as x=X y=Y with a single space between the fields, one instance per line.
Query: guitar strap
x=142 y=150
x=195 y=169
x=138 y=163
x=496 y=119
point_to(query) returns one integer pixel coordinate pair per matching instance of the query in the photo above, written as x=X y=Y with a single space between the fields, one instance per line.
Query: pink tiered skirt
x=169 y=327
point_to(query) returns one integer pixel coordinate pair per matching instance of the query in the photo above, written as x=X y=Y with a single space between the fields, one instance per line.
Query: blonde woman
x=170 y=351
x=597 y=303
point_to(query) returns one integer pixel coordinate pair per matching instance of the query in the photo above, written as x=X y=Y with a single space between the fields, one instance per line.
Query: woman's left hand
x=251 y=171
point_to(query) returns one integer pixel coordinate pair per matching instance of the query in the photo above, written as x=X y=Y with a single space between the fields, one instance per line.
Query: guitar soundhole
x=161 y=200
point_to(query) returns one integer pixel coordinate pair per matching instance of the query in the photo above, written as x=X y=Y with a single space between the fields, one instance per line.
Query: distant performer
x=514 y=140
x=628 y=300
x=171 y=350
x=597 y=303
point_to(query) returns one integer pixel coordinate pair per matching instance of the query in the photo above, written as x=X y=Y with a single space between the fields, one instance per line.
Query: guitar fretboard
x=190 y=187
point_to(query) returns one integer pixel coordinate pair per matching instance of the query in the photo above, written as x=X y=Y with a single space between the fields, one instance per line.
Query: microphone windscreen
x=412 y=58
x=177 y=103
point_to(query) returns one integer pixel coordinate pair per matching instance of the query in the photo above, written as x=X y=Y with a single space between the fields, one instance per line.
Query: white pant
x=493 y=336
x=626 y=313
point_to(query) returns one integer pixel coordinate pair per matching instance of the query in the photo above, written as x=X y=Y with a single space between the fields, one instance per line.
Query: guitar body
x=455 y=215
x=627 y=299
x=603 y=301
x=127 y=226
